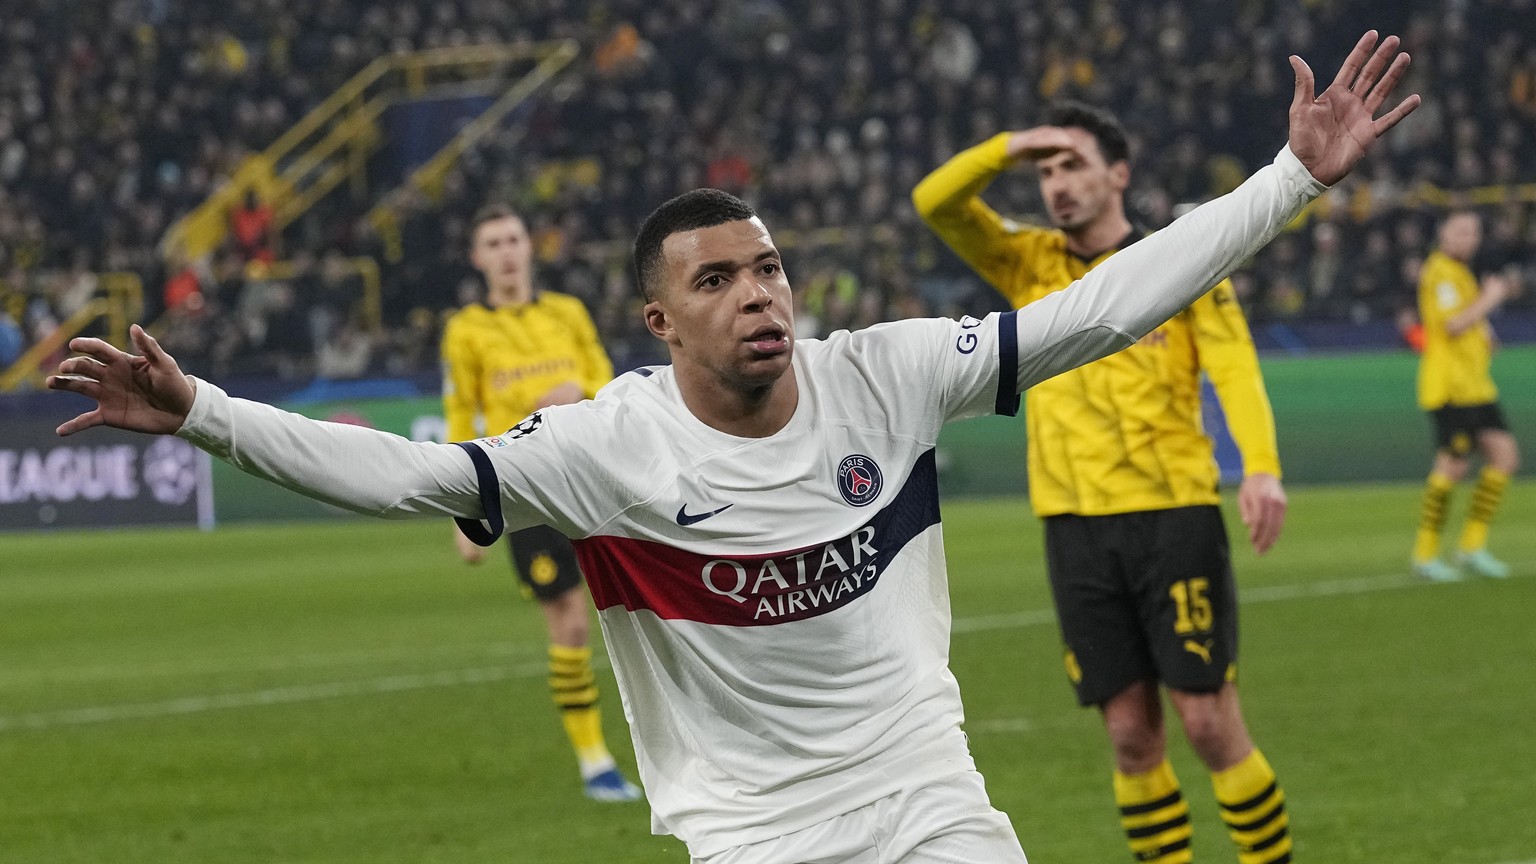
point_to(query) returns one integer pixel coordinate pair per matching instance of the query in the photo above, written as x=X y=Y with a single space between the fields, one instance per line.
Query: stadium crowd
x=118 y=116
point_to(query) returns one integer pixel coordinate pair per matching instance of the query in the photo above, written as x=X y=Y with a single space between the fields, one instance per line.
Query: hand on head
x=141 y=393
x=1330 y=132
x=1038 y=143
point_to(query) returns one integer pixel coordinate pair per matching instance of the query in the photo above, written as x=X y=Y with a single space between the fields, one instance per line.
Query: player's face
x=1078 y=185
x=502 y=251
x=1461 y=235
x=725 y=306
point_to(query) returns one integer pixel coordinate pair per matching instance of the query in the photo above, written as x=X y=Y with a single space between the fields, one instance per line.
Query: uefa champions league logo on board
x=859 y=480
x=170 y=470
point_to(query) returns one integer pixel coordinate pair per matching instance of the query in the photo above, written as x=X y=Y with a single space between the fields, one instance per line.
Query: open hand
x=1261 y=503
x=1331 y=132
x=145 y=393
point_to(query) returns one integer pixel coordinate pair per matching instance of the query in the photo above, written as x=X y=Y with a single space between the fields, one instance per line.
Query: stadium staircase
x=333 y=144
x=119 y=303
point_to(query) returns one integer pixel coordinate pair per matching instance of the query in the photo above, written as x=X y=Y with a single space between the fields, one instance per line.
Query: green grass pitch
x=349 y=692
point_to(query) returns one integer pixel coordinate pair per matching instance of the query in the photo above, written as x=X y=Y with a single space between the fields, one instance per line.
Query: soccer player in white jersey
x=759 y=520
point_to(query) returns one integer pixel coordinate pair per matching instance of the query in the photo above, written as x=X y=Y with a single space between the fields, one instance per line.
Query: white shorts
x=949 y=821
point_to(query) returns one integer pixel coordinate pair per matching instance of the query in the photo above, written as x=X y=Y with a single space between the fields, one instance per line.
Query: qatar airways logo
x=801 y=584
x=769 y=588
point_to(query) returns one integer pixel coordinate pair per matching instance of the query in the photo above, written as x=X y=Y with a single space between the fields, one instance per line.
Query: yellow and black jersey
x=497 y=363
x=1124 y=433
x=1454 y=370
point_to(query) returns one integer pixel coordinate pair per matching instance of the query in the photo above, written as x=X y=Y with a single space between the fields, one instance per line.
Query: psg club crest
x=859 y=480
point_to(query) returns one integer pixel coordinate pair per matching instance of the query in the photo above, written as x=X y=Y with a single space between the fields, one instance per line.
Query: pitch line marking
x=298 y=693
x=281 y=663
x=275 y=696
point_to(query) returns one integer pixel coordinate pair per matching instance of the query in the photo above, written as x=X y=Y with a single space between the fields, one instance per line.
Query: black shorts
x=1146 y=596
x=544 y=560
x=1456 y=426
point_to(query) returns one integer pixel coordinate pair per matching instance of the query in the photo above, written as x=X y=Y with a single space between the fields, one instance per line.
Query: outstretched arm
x=362 y=470
x=1150 y=281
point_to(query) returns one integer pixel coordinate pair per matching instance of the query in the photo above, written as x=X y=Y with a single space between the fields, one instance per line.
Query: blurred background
x=285 y=186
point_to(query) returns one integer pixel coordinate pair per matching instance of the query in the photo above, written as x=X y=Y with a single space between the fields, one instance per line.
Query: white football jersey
x=776 y=609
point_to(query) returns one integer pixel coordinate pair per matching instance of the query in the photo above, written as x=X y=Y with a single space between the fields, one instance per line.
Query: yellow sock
x=574 y=690
x=1485 y=502
x=1426 y=545
x=1155 y=815
x=1253 y=806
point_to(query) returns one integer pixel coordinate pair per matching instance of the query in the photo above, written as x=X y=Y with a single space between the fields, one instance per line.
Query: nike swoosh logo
x=685 y=519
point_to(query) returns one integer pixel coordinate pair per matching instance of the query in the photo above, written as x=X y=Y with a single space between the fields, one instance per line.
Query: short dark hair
x=490 y=213
x=1098 y=122
x=701 y=208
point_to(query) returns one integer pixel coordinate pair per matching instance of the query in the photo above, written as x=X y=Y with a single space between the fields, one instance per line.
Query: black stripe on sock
x=1267 y=842
x=1257 y=823
x=1166 y=801
x=1154 y=854
x=1148 y=831
x=1251 y=802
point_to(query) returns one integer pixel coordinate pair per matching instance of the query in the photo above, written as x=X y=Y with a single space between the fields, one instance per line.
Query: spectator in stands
x=348 y=354
x=11 y=341
x=250 y=226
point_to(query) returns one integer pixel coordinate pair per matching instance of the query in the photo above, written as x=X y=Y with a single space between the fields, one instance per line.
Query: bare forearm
x=1471 y=316
x=362 y=470
x=1152 y=280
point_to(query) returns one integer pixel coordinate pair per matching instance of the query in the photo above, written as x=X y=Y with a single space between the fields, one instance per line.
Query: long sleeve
x=949 y=200
x=1150 y=281
x=1227 y=354
x=363 y=470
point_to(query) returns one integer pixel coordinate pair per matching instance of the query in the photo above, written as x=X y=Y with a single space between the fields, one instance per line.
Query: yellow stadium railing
x=366 y=270
x=1357 y=203
x=120 y=303
x=331 y=145
x=429 y=177
x=363 y=267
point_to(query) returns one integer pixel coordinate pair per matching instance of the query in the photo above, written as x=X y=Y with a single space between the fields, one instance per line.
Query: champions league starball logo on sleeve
x=859 y=480
x=170 y=470
x=528 y=426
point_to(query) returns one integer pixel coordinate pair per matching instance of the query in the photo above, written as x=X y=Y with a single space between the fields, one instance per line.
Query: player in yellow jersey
x=1125 y=480
x=1455 y=387
x=521 y=351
